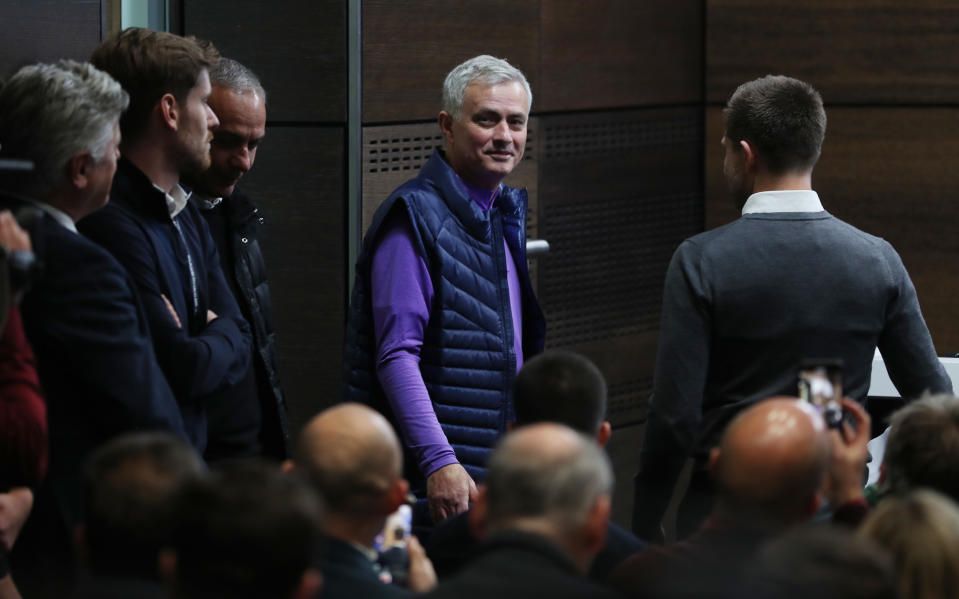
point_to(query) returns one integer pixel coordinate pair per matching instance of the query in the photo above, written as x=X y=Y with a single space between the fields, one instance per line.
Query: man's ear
x=169 y=111
x=477 y=514
x=79 y=169
x=713 y=462
x=396 y=495
x=445 y=121
x=749 y=153
x=309 y=585
x=597 y=524
x=605 y=432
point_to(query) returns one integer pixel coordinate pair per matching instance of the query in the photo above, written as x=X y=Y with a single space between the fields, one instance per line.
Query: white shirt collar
x=58 y=215
x=796 y=200
x=176 y=199
x=206 y=203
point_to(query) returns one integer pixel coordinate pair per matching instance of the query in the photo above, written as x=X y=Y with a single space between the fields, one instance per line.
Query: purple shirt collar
x=483 y=198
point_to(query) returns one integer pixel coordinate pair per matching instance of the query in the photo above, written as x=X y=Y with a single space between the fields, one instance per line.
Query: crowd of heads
x=153 y=510
x=256 y=529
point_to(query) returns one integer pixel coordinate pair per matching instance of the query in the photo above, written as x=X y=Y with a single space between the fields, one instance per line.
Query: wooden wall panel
x=296 y=47
x=298 y=180
x=409 y=47
x=46 y=31
x=853 y=51
x=618 y=192
x=619 y=53
x=892 y=173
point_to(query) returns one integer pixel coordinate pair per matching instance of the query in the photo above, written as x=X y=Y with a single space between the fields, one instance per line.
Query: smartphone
x=820 y=384
x=394 y=558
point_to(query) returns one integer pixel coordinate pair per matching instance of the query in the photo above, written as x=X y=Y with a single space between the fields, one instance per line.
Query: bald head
x=353 y=456
x=546 y=471
x=772 y=459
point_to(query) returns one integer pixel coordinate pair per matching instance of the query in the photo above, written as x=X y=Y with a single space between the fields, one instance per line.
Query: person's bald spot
x=773 y=454
x=546 y=441
x=350 y=446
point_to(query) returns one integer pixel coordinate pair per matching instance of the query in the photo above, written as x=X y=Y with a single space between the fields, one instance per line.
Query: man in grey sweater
x=745 y=303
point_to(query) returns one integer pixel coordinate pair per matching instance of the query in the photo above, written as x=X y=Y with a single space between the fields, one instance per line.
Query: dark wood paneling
x=892 y=173
x=410 y=46
x=296 y=47
x=46 y=31
x=618 y=192
x=862 y=51
x=298 y=181
x=619 y=53
x=719 y=205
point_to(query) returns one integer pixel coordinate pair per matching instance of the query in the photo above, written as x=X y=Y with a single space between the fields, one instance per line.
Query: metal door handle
x=536 y=247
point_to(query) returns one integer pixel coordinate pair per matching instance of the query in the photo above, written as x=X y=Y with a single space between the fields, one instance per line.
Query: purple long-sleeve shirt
x=402 y=294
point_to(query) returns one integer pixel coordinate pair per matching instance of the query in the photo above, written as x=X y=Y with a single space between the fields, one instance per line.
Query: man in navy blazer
x=200 y=337
x=83 y=318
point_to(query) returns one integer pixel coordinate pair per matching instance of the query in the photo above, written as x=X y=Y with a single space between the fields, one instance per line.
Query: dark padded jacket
x=467 y=359
x=245 y=271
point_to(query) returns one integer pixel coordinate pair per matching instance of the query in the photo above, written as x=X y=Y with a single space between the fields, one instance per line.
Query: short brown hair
x=149 y=64
x=782 y=117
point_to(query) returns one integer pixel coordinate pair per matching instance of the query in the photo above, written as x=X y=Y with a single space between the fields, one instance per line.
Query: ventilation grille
x=618 y=193
x=390 y=149
x=627 y=402
x=607 y=263
x=568 y=140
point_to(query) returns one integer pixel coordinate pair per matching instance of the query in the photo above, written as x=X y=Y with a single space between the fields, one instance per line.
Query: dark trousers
x=697 y=503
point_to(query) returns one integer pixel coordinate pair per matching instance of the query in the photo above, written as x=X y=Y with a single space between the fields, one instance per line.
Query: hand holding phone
x=820 y=384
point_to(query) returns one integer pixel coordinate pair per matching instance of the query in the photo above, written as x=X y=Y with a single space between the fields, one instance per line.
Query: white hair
x=484 y=69
x=51 y=112
x=558 y=482
x=233 y=75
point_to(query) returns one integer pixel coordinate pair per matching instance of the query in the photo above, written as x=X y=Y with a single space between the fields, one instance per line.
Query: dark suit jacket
x=452 y=544
x=177 y=259
x=98 y=371
x=520 y=565
x=348 y=574
x=94 y=356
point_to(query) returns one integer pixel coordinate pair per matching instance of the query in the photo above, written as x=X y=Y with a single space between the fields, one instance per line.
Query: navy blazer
x=95 y=358
x=198 y=358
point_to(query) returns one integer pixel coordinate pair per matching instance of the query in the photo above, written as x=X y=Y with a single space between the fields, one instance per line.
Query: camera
x=24 y=267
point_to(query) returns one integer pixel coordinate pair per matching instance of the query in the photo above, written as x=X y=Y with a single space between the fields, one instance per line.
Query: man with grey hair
x=543 y=514
x=83 y=318
x=250 y=418
x=922 y=449
x=443 y=313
